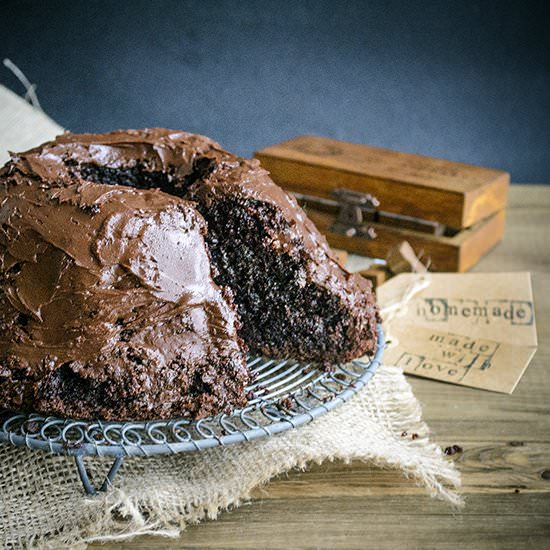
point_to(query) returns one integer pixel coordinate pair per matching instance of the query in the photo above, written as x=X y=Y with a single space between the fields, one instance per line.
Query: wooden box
x=451 y=213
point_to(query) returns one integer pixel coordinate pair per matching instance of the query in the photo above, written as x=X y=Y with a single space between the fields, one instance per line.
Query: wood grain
x=506 y=441
x=452 y=193
x=457 y=253
x=390 y=522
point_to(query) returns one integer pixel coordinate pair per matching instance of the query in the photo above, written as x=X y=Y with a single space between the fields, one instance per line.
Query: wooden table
x=505 y=465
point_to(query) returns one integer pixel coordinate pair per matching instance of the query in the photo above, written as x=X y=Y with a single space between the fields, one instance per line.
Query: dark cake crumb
x=286 y=403
x=91 y=209
x=453 y=450
x=126 y=334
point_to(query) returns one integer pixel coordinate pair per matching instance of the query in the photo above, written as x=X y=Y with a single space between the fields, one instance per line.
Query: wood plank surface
x=505 y=464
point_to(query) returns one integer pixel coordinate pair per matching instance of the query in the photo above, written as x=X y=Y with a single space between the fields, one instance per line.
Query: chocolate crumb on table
x=453 y=450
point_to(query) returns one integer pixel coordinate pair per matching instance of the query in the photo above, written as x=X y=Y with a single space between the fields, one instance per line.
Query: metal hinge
x=355 y=209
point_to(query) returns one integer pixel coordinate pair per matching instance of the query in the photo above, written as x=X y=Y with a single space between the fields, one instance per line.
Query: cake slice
x=293 y=298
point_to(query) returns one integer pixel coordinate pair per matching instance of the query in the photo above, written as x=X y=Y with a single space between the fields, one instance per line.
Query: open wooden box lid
x=450 y=193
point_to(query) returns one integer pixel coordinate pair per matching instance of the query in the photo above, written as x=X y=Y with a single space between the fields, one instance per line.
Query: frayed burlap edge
x=161 y=496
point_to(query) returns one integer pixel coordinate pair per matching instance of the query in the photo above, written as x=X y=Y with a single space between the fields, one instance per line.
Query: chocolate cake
x=137 y=268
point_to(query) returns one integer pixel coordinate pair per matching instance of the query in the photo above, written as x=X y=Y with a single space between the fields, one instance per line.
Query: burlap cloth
x=42 y=501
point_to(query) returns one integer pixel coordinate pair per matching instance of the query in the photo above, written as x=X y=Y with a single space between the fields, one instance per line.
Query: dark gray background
x=469 y=81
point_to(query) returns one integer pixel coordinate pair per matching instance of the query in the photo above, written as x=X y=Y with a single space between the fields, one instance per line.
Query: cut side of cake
x=138 y=267
x=293 y=298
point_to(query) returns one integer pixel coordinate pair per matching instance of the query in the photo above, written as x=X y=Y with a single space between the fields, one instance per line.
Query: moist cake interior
x=280 y=311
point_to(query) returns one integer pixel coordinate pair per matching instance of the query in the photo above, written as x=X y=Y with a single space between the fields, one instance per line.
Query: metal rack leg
x=85 y=478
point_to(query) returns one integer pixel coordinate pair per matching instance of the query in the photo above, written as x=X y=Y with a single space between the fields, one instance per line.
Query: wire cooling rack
x=284 y=394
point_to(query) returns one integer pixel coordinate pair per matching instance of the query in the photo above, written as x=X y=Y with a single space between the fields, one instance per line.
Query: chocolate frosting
x=176 y=153
x=114 y=282
x=93 y=274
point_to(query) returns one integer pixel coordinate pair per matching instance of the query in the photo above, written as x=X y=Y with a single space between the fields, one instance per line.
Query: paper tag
x=474 y=329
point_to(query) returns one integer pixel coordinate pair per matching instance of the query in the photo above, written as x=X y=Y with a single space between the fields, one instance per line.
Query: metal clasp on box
x=351 y=209
x=355 y=209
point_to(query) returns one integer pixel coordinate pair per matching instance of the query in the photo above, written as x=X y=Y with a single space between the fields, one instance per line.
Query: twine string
x=400 y=307
x=30 y=89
